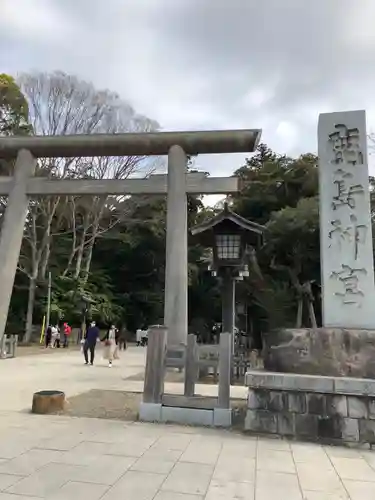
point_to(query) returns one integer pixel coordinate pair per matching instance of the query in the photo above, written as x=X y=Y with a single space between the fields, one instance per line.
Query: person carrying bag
x=110 y=346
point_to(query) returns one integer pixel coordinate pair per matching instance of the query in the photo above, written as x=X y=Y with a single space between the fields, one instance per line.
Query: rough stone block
x=367 y=431
x=222 y=417
x=350 y=429
x=307 y=426
x=329 y=427
x=334 y=352
x=288 y=381
x=349 y=385
x=316 y=404
x=357 y=407
x=371 y=408
x=261 y=421
x=258 y=399
x=336 y=405
x=297 y=402
x=278 y=401
x=187 y=416
x=150 y=412
x=286 y=424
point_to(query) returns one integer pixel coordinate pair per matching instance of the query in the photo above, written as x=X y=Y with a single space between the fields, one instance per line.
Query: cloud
x=33 y=21
x=201 y=64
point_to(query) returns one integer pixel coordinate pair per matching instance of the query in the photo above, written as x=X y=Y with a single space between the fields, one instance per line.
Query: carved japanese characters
x=345 y=225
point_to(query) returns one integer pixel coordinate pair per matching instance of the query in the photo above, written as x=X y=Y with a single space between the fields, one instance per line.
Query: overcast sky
x=208 y=64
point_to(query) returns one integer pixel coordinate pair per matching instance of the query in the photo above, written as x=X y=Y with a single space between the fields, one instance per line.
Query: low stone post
x=155 y=364
x=150 y=409
x=190 y=365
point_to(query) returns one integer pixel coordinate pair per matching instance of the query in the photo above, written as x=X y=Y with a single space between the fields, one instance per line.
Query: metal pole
x=49 y=301
x=176 y=272
x=13 y=223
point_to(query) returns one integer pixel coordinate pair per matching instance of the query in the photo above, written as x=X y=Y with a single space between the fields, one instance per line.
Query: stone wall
x=331 y=409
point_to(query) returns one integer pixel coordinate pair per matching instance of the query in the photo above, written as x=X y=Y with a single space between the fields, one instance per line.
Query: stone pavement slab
x=113 y=460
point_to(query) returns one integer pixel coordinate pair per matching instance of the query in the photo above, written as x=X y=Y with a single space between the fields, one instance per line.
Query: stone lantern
x=230 y=237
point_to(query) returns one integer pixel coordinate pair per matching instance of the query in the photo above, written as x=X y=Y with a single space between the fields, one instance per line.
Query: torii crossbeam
x=176 y=184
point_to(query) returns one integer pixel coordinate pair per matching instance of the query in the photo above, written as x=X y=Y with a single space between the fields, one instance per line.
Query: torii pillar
x=176 y=258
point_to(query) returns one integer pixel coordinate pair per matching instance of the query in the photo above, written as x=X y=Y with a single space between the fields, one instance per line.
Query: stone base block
x=329 y=409
x=261 y=421
x=323 y=351
x=222 y=417
x=350 y=430
x=150 y=412
x=189 y=416
x=367 y=431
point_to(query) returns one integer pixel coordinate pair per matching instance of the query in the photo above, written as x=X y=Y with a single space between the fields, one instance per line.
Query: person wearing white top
x=54 y=336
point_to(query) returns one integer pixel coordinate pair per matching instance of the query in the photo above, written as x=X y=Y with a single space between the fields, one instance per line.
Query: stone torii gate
x=177 y=145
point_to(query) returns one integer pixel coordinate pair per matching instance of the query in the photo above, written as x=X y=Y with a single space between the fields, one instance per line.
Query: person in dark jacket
x=91 y=340
x=48 y=336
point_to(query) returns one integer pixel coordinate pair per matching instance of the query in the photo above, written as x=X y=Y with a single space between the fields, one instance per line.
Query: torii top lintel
x=155 y=143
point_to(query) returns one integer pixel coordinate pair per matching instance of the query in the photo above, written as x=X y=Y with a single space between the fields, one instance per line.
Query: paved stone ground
x=58 y=458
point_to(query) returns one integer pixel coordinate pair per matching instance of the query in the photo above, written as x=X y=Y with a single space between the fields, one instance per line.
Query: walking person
x=48 y=336
x=55 y=337
x=121 y=342
x=110 y=342
x=67 y=332
x=91 y=340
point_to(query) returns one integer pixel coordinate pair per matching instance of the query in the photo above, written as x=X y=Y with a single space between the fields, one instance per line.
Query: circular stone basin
x=45 y=402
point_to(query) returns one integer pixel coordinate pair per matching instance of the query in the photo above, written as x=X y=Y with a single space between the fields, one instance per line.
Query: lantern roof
x=228 y=221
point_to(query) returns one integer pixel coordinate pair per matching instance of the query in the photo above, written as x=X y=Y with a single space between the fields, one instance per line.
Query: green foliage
x=281 y=193
x=272 y=182
x=13 y=108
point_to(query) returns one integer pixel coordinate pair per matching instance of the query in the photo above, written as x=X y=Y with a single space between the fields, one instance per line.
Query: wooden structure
x=45 y=402
x=186 y=408
x=207 y=360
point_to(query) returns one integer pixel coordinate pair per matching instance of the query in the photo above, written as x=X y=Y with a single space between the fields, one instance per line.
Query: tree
x=280 y=192
x=271 y=182
x=293 y=247
x=63 y=104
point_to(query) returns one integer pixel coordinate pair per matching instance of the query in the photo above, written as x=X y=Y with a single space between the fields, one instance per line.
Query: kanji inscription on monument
x=346 y=253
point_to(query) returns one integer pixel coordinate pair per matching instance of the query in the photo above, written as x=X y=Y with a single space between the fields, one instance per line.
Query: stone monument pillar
x=348 y=290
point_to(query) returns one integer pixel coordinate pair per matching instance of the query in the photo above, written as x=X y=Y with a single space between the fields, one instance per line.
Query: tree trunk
x=45 y=260
x=79 y=259
x=312 y=315
x=88 y=261
x=299 y=313
x=81 y=249
x=30 y=310
x=69 y=263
